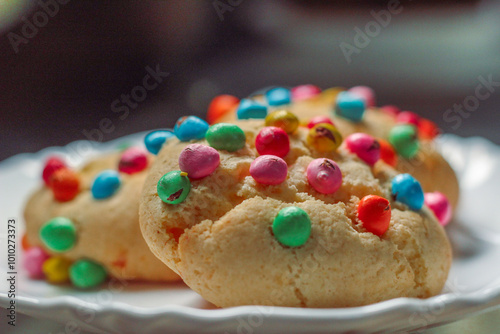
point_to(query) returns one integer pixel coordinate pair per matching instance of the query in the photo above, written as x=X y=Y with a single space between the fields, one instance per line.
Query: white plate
x=120 y=307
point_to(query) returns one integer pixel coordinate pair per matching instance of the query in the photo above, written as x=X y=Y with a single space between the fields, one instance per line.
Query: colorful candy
x=427 y=129
x=364 y=146
x=440 y=205
x=173 y=187
x=390 y=110
x=225 y=136
x=304 y=92
x=407 y=190
x=283 y=119
x=403 y=138
x=324 y=137
x=52 y=164
x=319 y=119
x=408 y=117
x=366 y=93
x=56 y=269
x=272 y=141
x=278 y=96
x=58 y=234
x=190 y=128
x=269 y=169
x=199 y=160
x=374 y=212
x=387 y=153
x=292 y=227
x=155 y=140
x=106 y=184
x=87 y=274
x=65 y=184
x=350 y=106
x=251 y=109
x=24 y=242
x=133 y=160
x=324 y=175
x=220 y=106
x=33 y=260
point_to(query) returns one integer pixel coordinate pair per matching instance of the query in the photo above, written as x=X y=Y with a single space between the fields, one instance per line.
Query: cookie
x=86 y=222
x=336 y=231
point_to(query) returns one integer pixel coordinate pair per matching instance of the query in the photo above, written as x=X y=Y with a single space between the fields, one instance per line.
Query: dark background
x=64 y=80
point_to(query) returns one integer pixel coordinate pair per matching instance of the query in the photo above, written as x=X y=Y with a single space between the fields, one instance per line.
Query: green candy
x=224 y=136
x=87 y=274
x=404 y=139
x=292 y=226
x=173 y=187
x=58 y=234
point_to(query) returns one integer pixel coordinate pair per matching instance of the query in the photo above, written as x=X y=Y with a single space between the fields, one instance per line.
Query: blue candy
x=155 y=140
x=251 y=109
x=407 y=190
x=278 y=96
x=190 y=127
x=350 y=106
x=105 y=184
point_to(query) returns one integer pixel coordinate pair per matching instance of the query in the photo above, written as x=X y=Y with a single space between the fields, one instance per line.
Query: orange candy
x=387 y=153
x=220 y=106
x=24 y=242
x=65 y=184
x=427 y=129
x=374 y=212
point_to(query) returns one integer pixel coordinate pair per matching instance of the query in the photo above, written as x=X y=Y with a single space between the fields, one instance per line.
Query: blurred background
x=68 y=65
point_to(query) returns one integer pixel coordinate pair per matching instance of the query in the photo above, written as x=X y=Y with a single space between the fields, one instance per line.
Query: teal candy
x=225 y=136
x=58 y=234
x=292 y=226
x=251 y=109
x=155 y=140
x=278 y=96
x=105 y=184
x=87 y=274
x=173 y=188
x=350 y=106
x=407 y=190
x=190 y=127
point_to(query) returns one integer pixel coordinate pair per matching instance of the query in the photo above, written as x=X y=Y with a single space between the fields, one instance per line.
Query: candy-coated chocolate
x=199 y=160
x=427 y=129
x=403 y=137
x=24 y=242
x=304 y=92
x=318 y=120
x=283 y=119
x=219 y=106
x=33 y=260
x=106 y=184
x=251 y=109
x=366 y=93
x=272 y=141
x=324 y=175
x=65 y=184
x=155 y=140
x=133 y=160
x=225 y=136
x=52 y=164
x=324 y=137
x=269 y=169
x=87 y=274
x=190 y=128
x=440 y=205
x=292 y=227
x=374 y=212
x=58 y=234
x=407 y=190
x=350 y=106
x=408 y=117
x=278 y=96
x=364 y=146
x=387 y=153
x=173 y=187
x=56 y=269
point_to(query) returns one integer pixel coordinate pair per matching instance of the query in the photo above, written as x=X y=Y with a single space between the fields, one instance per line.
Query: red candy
x=374 y=212
x=52 y=164
x=133 y=160
x=390 y=110
x=272 y=141
x=408 y=117
x=319 y=119
x=387 y=153
x=220 y=106
x=65 y=184
x=427 y=129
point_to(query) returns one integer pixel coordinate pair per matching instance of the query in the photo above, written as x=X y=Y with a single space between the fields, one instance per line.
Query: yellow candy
x=283 y=119
x=324 y=137
x=56 y=269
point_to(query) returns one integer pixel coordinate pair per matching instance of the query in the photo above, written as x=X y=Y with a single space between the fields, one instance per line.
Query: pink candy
x=366 y=93
x=319 y=119
x=324 y=175
x=364 y=146
x=408 y=117
x=199 y=160
x=33 y=261
x=304 y=92
x=269 y=169
x=133 y=160
x=440 y=205
x=390 y=110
